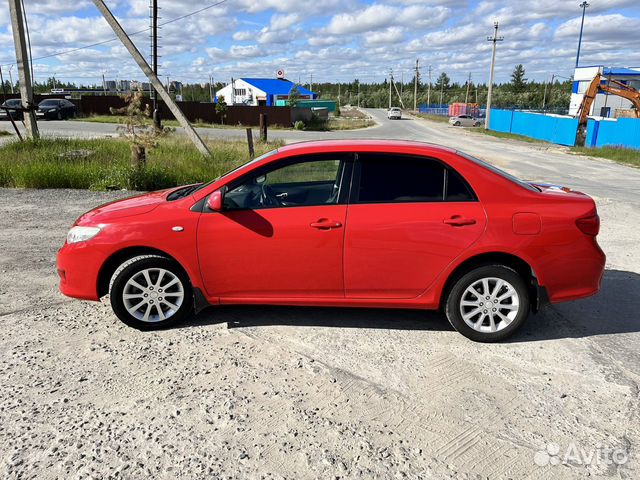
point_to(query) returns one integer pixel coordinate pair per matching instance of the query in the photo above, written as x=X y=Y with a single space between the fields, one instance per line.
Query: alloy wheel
x=489 y=304
x=153 y=295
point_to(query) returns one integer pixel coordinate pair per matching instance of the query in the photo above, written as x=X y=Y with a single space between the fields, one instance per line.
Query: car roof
x=348 y=145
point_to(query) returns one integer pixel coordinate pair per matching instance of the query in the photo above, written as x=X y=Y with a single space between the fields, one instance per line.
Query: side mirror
x=214 y=202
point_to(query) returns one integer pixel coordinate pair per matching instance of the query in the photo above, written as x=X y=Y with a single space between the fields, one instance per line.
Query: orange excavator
x=614 y=88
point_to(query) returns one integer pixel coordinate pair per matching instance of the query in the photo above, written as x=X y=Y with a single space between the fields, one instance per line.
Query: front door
x=280 y=234
x=408 y=219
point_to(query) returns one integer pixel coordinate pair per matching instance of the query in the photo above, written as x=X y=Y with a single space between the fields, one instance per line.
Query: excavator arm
x=621 y=90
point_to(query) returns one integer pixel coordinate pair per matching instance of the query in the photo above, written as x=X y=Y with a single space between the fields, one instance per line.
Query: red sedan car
x=391 y=224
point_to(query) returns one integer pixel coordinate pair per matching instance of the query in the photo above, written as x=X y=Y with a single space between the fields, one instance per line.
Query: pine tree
x=518 y=80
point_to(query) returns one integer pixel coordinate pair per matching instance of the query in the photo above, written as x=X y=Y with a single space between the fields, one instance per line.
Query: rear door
x=408 y=218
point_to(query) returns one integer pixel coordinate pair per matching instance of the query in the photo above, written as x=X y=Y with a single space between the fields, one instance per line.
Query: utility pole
x=338 y=94
x=399 y=95
x=415 y=89
x=584 y=6
x=358 y=93
x=429 y=90
x=211 y=88
x=495 y=39
x=153 y=78
x=157 y=116
x=441 y=92
x=104 y=85
x=311 y=83
x=11 y=78
x=390 y=82
x=466 y=98
x=544 y=98
x=401 y=82
x=24 y=70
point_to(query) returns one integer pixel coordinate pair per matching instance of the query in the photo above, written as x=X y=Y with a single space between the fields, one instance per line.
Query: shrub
x=299 y=125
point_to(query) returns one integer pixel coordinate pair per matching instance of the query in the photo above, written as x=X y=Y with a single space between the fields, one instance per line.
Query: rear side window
x=388 y=178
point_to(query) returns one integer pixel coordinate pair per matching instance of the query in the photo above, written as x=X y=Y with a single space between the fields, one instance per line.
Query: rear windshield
x=497 y=171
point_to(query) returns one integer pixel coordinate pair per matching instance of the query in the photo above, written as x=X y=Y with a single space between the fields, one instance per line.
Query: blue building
x=261 y=91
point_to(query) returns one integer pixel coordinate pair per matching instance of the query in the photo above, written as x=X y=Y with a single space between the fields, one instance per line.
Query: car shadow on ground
x=613 y=310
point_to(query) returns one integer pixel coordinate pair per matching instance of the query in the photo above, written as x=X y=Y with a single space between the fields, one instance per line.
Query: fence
x=194 y=111
x=623 y=132
x=550 y=128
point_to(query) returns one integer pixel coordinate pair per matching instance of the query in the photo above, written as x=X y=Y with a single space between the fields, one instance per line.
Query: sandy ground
x=265 y=392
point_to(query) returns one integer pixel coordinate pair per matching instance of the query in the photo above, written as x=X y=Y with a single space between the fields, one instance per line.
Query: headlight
x=82 y=234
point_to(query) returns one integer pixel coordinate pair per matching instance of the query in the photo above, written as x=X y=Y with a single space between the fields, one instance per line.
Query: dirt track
x=263 y=392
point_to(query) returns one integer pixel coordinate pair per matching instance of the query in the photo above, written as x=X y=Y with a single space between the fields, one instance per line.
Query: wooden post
x=24 y=70
x=252 y=152
x=264 y=120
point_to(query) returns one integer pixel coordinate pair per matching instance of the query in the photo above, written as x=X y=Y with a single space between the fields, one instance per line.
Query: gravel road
x=266 y=392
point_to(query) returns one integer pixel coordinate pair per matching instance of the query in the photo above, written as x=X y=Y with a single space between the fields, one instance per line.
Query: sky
x=327 y=40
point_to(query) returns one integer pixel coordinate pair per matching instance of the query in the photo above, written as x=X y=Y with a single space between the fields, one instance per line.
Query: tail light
x=589 y=225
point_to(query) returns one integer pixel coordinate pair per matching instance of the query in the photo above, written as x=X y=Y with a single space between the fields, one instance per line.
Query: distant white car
x=465 y=121
x=394 y=113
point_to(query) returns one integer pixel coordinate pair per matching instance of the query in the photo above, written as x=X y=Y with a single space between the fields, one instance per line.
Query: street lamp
x=584 y=6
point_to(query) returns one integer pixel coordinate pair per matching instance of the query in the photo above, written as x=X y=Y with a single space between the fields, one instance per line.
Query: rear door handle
x=326 y=224
x=458 y=221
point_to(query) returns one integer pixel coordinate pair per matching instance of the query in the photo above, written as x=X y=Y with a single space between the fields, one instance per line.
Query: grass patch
x=511 y=136
x=625 y=156
x=433 y=118
x=4 y=133
x=104 y=164
x=119 y=119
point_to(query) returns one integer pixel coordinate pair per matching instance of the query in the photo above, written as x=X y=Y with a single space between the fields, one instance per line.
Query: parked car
x=56 y=109
x=394 y=113
x=465 y=121
x=392 y=224
x=12 y=103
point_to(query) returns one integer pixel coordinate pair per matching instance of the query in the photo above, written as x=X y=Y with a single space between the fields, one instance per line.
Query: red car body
x=366 y=255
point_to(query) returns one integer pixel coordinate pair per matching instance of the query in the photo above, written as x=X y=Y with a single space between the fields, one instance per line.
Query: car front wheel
x=150 y=292
x=488 y=304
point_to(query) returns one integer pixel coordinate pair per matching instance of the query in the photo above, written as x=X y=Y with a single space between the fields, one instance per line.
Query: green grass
x=626 y=156
x=433 y=118
x=119 y=119
x=4 y=133
x=511 y=136
x=105 y=164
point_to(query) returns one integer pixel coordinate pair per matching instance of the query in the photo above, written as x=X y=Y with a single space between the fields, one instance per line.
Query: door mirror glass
x=214 y=202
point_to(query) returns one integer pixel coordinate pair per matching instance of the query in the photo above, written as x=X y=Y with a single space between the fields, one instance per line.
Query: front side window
x=386 y=178
x=304 y=182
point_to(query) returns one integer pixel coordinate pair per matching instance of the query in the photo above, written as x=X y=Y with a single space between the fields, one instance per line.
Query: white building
x=605 y=105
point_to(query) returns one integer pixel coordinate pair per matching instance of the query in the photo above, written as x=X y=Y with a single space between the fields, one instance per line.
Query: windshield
x=497 y=171
x=255 y=160
x=49 y=103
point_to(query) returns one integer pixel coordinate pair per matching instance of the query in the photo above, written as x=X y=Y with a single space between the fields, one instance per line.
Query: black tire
x=456 y=124
x=133 y=269
x=59 y=116
x=455 y=297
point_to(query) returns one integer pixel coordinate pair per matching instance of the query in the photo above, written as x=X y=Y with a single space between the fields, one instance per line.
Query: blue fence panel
x=624 y=132
x=500 y=120
x=593 y=126
x=549 y=128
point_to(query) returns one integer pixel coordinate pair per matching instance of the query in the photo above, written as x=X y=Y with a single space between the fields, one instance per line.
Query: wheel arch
x=116 y=259
x=522 y=267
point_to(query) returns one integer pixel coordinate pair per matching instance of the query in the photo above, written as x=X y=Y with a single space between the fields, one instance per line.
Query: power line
x=96 y=44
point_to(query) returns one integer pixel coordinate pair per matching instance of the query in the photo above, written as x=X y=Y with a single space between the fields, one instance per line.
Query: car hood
x=127 y=207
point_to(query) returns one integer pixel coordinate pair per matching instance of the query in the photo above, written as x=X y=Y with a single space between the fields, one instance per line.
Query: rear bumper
x=78 y=268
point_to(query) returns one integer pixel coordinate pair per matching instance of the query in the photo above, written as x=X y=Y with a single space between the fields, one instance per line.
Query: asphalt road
x=252 y=392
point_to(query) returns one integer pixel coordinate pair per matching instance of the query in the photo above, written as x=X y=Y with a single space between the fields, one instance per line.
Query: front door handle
x=458 y=221
x=326 y=224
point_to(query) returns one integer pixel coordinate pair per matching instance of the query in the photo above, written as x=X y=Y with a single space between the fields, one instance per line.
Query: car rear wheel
x=150 y=292
x=59 y=116
x=456 y=124
x=488 y=304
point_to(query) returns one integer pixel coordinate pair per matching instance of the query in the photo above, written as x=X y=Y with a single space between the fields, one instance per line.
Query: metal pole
x=390 y=81
x=153 y=78
x=429 y=90
x=211 y=88
x=415 y=89
x=157 y=117
x=466 y=98
x=584 y=6
x=495 y=41
x=11 y=78
x=358 y=93
x=24 y=71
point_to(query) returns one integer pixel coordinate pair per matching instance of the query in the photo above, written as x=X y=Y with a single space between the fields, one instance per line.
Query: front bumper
x=78 y=267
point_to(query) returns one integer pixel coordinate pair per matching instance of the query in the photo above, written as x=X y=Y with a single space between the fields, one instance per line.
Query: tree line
x=519 y=92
